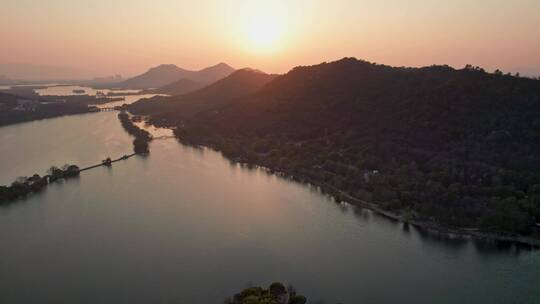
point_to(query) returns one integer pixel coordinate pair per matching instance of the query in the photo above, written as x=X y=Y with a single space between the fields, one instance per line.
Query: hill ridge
x=167 y=74
x=454 y=147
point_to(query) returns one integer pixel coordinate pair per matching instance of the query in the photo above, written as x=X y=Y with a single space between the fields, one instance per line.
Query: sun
x=264 y=32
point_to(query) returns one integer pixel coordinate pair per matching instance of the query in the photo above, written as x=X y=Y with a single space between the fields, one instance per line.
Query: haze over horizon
x=128 y=37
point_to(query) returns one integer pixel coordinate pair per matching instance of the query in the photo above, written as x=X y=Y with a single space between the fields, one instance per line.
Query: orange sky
x=127 y=37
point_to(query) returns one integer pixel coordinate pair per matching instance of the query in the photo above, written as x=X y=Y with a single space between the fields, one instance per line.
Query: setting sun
x=265 y=26
x=264 y=32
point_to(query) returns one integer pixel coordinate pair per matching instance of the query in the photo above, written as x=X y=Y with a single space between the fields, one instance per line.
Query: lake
x=65 y=90
x=184 y=225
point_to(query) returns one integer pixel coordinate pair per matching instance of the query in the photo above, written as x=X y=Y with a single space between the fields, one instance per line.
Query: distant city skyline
x=85 y=39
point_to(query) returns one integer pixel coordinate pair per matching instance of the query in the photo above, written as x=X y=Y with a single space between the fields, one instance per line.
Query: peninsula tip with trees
x=142 y=137
x=276 y=293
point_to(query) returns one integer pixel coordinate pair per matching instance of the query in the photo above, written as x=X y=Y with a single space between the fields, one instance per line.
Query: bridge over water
x=108 y=109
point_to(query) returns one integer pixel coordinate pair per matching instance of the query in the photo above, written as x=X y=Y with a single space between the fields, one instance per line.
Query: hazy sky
x=128 y=36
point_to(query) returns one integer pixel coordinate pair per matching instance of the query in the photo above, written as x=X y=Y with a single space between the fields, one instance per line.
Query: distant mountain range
x=240 y=83
x=435 y=145
x=176 y=80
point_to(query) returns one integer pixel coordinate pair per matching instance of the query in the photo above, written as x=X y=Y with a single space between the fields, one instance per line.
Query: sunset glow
x=128 y=37
x=263 y=33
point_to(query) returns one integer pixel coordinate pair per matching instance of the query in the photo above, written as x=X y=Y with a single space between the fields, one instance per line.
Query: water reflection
x=185 y=221
x=440 y=238
x=494 y=249
x=65 y=90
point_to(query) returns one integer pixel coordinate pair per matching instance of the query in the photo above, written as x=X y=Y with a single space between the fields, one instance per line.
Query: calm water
x=128 y=99
x=5 y=87
x=183 y=225
x=64 y=90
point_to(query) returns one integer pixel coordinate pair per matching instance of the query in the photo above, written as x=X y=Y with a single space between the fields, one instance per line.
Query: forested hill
x=215 y=96
x=458 y=147
x=429 y=105
x=179 y=87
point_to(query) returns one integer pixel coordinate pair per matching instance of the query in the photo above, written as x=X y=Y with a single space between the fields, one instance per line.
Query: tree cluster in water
x=142 y=137
x=24 y=186
x=276 y=293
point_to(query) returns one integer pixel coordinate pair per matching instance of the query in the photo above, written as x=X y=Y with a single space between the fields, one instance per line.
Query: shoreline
x=429 y=227
x=450 y=232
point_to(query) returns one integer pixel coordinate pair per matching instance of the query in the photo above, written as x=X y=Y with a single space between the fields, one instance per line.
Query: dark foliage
x=14 y=111
x=455 y=147
x=275 y=294
x=142 y=137
x=24 y=186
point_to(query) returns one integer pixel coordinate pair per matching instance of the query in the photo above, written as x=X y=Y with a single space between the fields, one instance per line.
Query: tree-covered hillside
x=454 y=147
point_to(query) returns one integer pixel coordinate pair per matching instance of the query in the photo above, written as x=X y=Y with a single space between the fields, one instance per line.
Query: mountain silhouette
x=239 y=84
x=179 y=87
x=167 y=74
x=451 y=147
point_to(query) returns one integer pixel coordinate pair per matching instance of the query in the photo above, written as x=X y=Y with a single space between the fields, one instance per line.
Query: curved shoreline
x=451 y=232
x=430 y=227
